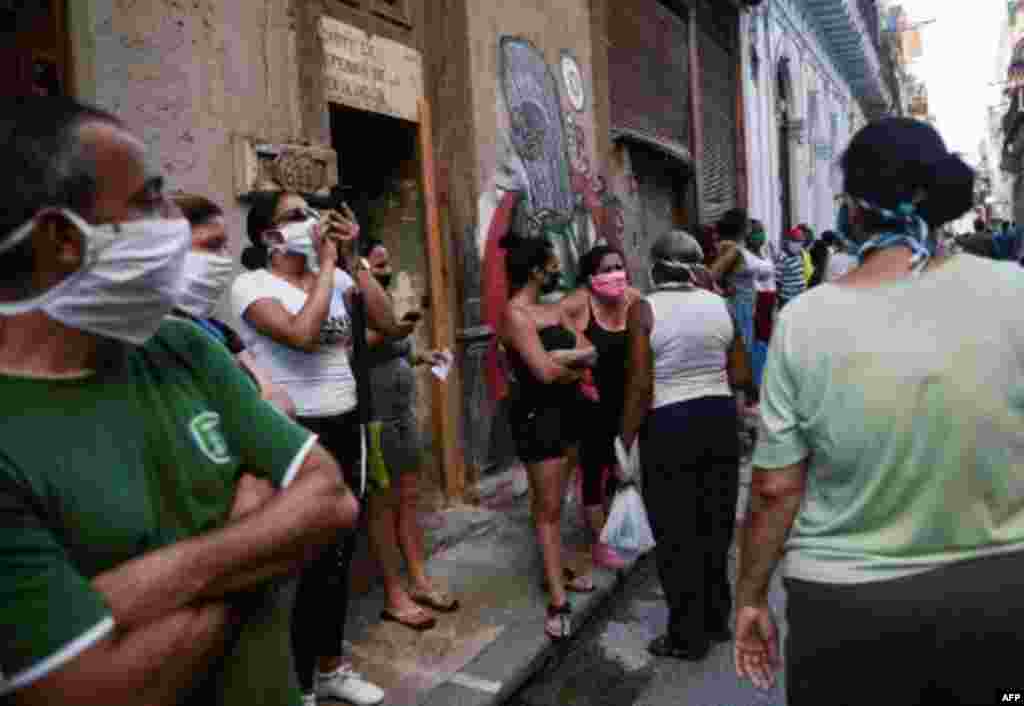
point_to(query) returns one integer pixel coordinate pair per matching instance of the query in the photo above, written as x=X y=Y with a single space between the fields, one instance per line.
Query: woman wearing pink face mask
x=598 y=311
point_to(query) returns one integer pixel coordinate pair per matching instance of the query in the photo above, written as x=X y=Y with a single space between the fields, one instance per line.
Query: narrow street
x=607 y=663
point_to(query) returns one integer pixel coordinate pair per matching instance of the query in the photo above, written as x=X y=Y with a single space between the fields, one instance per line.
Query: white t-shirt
x=908 y=399
x=763 y=270
x=321 y=382
x=838 y=265
x=690 y=341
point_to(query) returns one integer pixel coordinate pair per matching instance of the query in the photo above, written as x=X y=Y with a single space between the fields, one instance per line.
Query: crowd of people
x=186 y=534
x=188 y=538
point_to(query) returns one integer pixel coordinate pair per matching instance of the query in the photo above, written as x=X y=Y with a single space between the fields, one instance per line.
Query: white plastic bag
x=629 y=461
x=627 y=528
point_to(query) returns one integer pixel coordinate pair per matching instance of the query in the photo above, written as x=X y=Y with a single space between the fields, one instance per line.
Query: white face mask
x=130 y=278
x=298 y=239
x=207 y=277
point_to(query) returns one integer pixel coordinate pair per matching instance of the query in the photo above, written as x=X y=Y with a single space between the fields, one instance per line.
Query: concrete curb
x=522 y=651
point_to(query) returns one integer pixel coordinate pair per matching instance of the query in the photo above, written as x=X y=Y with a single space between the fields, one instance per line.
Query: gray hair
x=46 y=164
x=674 y=256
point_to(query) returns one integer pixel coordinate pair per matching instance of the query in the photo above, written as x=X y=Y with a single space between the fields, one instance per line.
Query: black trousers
x=948 y=636
x=597 y=452
x=689 y=453
x=321 y=601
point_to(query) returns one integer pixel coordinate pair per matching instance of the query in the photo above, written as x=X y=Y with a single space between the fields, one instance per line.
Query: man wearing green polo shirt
x=149 y=499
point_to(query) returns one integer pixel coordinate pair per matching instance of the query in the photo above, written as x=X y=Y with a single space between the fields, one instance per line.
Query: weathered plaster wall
x=188 y=76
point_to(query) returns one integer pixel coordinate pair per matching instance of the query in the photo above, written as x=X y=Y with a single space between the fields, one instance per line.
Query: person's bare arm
x=520 y=334
x=302 y=330
x=576 y=310
x=726 y=262
x=775 y=499
x=575 y=357
x=639 y=370
x=276 y=539
x=380 y=315
x=343 y=229
x=149 y=665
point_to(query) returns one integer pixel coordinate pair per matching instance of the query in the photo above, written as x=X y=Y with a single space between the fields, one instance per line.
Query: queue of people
x=183 y=553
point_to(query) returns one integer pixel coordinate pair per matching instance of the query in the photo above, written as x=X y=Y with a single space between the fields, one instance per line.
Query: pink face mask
x=610 y=285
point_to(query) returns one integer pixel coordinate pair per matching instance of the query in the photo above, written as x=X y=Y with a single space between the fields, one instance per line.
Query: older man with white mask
x=134 y=552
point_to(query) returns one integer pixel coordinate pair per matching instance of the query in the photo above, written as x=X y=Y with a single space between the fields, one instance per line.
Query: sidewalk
x=482 y=653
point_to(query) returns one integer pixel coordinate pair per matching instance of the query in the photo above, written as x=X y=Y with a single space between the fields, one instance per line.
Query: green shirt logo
x=205 y=430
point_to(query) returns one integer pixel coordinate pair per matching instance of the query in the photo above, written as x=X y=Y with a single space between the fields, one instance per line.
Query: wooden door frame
x=445 y=419
x=25 y=53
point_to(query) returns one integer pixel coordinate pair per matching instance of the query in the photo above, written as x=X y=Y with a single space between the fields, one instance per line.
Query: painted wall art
x=544 y=185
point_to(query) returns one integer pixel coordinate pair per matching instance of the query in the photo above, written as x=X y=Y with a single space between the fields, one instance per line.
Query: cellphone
x=412 y=316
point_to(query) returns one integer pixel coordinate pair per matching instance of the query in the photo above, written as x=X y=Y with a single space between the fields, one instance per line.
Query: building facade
x=812 y=76
x=447 y=123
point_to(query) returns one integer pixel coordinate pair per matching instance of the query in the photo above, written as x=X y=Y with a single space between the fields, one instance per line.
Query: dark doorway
x=34 y=49
x=666 y=195
x=381 y=178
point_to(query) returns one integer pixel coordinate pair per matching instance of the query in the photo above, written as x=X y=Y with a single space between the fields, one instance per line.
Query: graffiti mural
x=544 y=185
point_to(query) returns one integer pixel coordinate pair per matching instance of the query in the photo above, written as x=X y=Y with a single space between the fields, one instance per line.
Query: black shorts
x=548 y=431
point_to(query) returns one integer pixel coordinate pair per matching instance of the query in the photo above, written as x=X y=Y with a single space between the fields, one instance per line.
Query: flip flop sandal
x=408 y=621
x=562 y=616
x=436 y=600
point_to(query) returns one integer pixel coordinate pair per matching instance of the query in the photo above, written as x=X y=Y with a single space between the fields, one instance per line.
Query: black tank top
x=610 y=374
x=532 y=392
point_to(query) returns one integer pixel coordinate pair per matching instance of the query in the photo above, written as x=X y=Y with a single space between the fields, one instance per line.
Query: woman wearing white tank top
x=679 y=403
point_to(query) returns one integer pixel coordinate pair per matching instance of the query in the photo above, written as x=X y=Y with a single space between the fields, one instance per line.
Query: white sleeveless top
x=690 y=339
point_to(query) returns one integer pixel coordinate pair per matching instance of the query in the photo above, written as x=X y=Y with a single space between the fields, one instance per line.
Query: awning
x=847 y=33
x=670 y=148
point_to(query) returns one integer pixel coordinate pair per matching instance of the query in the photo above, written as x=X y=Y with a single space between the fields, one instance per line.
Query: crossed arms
x=172 y=607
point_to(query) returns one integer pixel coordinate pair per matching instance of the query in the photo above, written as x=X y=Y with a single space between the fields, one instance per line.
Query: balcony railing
x=851 y=29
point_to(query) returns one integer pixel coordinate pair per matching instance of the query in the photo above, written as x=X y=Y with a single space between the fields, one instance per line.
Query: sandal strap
x=563 y=614
x=564 y=609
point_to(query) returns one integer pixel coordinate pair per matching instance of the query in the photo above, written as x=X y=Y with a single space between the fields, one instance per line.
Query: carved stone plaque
x=263 y=166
